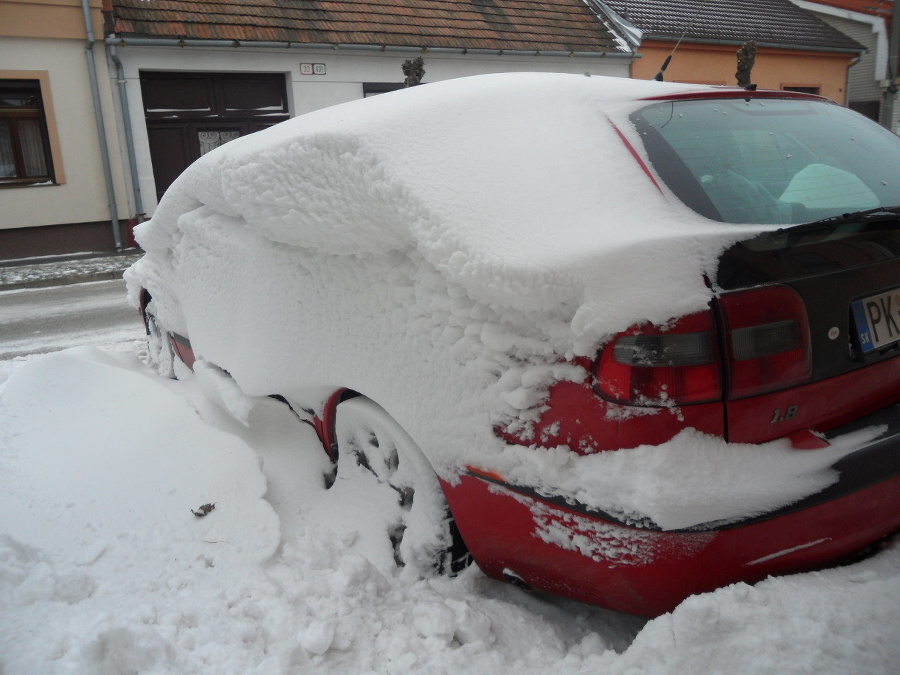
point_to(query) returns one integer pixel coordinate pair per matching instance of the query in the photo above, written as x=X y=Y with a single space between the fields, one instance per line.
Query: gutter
x=771 y=45
x=192 y=43
x=101 y=127
x=129 y=132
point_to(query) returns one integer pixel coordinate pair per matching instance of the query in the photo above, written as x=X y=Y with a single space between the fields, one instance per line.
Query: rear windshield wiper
x=828 y=225
x=825 y=225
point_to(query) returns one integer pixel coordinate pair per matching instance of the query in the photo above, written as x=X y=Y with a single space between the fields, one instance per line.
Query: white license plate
x=877 y=319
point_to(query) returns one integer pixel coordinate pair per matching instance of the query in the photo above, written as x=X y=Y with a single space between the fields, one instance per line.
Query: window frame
x=375 y=88
x=813 y=89
x=39 y=80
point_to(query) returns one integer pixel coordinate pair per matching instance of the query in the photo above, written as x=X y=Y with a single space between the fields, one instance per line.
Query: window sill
x=18 y=183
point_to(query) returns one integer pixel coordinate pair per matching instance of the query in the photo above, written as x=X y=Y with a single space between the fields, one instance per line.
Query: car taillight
x=767 y=337
x=765 y=333
x=654 y=365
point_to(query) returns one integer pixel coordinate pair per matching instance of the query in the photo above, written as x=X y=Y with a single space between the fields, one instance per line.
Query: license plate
x=877 y=320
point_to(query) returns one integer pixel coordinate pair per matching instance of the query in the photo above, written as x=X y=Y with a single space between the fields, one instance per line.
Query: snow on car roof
x=516 y=186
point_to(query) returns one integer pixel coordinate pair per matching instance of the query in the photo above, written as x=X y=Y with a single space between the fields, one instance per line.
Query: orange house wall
x=774 y=68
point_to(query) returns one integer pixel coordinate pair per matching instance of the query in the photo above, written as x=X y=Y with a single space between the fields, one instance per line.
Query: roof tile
x=768 y=22
x=530 y=25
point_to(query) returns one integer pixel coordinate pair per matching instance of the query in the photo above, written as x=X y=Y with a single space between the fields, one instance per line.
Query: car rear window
x=765 y=160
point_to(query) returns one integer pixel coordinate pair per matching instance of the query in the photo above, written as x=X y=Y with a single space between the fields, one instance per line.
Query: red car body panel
x=577 y=417
x=820 y=406
x=182 y=347
x=650 y=572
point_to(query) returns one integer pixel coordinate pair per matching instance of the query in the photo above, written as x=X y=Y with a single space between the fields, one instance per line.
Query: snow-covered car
x=621 y=341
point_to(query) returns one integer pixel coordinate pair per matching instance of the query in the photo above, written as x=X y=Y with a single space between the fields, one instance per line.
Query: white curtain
x=32 y=148
x=7 y=161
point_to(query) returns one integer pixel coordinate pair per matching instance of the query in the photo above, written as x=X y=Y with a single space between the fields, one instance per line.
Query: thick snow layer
x=692 y=479
x=517 y=187
x=105 y=570
x=442 y=250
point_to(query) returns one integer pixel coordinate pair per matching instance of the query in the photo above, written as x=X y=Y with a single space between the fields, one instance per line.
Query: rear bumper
x=578 y=552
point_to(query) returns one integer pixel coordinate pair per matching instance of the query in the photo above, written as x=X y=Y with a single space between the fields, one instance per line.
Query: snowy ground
x=105 y=570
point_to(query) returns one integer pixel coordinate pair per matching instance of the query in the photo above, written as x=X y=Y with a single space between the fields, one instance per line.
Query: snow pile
x=105 y=570
x=49 y=273
x=108 y=488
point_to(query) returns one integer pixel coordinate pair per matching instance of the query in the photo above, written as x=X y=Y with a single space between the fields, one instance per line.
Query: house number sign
x=312 y=68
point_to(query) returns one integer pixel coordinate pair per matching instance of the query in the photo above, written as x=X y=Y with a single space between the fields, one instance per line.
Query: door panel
x=170 y=154
x=189 y=114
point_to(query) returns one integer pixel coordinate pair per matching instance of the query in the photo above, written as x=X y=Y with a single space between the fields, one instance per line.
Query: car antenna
x=659 y=75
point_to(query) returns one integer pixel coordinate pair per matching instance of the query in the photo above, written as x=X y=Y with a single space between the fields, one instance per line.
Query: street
x=36 y=321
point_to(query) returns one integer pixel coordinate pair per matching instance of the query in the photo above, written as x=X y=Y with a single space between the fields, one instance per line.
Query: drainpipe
x=101 y=127
x=129 y=133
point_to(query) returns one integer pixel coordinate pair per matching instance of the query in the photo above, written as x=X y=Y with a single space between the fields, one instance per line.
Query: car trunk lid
x=846 y=277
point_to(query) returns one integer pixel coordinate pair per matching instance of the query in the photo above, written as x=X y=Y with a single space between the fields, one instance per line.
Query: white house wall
x=82 y=197
x=871 y=31
x=345 y=72
x=872 y=67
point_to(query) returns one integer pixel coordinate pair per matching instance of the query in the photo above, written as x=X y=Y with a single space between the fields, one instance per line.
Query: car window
x=763 y=160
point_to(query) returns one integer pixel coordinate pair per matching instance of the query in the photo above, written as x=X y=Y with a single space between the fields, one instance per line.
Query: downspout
x=101 y=127
x=129 y=133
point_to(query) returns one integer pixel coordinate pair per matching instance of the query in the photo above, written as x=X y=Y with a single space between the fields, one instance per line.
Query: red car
x=645 y=337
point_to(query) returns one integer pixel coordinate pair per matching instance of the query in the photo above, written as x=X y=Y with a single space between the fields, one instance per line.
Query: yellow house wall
x=45 y=40
x=48 y=18
x=774 y=69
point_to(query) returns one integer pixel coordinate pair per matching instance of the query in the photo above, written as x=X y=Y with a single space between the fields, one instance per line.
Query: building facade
x=873 y=83
x=175 y=80
x=794 y=48
x=62 y=182
x=104 y=102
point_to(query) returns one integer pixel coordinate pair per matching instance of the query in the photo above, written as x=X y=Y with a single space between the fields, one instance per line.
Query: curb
x=66 y=280
x=65 y=270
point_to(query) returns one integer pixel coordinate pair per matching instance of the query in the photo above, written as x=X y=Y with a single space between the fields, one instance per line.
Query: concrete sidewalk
x=62 y=270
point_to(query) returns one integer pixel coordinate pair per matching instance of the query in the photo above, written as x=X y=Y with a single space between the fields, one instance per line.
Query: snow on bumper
x=563 y=547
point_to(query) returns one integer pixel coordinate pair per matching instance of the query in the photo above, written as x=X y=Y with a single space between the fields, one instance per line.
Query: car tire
x=160 y=352
x=426 y=539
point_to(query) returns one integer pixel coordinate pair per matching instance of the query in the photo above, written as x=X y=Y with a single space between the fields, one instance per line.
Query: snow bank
x=100 y=476
x=104 y=570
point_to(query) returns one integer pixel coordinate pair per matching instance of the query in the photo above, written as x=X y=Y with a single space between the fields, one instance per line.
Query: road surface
x=40 y=320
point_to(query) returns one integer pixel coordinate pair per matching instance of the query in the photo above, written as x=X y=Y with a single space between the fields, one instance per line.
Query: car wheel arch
x=378 y=430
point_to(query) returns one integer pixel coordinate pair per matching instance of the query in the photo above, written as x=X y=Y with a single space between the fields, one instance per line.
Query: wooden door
x=189 y=114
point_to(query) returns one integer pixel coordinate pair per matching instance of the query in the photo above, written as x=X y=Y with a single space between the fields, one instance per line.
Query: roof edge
x=631 y=33
x=738 y=43
x=124 y=41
